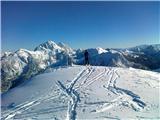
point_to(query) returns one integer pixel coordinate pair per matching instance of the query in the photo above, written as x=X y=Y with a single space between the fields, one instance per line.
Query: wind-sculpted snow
x=81 y=92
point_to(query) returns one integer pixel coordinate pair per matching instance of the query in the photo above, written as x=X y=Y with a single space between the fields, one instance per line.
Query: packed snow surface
x=85 y=92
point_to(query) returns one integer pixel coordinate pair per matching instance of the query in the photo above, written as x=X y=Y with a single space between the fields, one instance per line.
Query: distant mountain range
x=23 y=64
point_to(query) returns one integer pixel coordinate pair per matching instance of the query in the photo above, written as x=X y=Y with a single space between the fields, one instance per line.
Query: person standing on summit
x=86 y=57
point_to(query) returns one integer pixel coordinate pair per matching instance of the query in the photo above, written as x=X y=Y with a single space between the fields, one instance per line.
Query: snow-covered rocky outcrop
x=79 y=92
x=23 y=64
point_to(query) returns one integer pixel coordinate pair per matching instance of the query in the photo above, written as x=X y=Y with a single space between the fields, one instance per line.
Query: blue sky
x=79 y=24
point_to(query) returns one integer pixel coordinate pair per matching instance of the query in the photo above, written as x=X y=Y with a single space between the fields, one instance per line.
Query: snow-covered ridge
x=23 y=64
x=148 y=49
x=79 y=92
x=49 y=45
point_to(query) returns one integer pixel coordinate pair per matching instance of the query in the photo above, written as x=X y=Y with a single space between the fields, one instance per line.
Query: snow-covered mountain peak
x=50 y=42
x=101 y=50
x=65 y=47
x=48 y=46
x=147 y=49
x=96 y=51
x=51 y=46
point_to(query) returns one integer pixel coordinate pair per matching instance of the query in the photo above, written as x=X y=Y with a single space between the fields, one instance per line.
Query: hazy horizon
x=79 y=24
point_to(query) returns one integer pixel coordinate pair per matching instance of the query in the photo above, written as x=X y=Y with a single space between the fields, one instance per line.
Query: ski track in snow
x=74 y=96
x=19 y=109
x=125 y=98
x=83 y=80
x=86 y=82
x=72 y=92
x=10 y=114
x=97 y=77
x=91 y=70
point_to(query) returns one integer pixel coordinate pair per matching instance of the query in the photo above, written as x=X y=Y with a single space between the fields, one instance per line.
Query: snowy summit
x=52 y=82
x=81 y=92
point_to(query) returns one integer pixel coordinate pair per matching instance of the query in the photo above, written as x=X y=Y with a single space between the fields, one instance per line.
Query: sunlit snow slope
x=81 y=92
